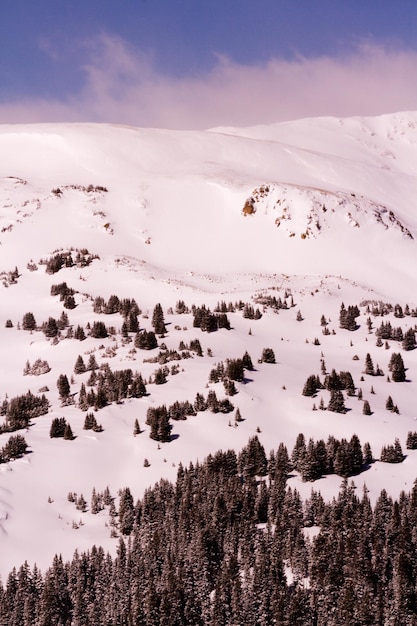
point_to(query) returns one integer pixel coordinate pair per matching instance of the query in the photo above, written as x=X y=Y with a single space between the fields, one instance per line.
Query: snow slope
x=319 y=210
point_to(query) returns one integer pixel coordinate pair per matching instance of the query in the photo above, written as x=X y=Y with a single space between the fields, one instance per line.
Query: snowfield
x=316 y=212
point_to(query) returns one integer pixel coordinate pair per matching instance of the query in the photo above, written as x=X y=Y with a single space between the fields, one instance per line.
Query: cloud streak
x=122 y=86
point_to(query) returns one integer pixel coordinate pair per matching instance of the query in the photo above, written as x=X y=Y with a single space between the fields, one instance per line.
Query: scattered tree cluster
x=208 y=321
x=146 y=340
x=61 y=428
x=347 y=317
x=19 y=411
x=342 y=457
x=232 y=369
x=38 y=368
x=392 y=453
x=90 y=423
x=66 y=294
x=110 y=386
x=59 y=260
x=15 y=447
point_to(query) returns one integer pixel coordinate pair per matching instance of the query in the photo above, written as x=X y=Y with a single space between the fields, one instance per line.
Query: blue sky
x=200 y=63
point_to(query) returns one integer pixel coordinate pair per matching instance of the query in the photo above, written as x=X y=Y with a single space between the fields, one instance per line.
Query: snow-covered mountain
x=315 y=212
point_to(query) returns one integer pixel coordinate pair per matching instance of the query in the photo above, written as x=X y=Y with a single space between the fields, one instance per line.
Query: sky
x=196 y=64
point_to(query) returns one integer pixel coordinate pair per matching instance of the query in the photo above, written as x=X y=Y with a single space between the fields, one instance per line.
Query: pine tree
x=50 y=328
x=247 y=361
x=126 y=512
x=57 y=427
x=82 y=398
x=311 y=385
x=396 y=367
x=369 y=366
x=79 y=367
x=28 y=321
x=68 y=434
x=158 y=321
x=238 y=416
x=366 y=409
x=389 y=405
x=92 y=364
x=367 y=454
x=409 y=340
x=63 y=387
x=136 y=428
x=411 y=443
x=336 y=402
x=268 y=356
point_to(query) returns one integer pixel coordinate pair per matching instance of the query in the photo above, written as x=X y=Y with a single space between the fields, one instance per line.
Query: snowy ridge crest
x=308 y=211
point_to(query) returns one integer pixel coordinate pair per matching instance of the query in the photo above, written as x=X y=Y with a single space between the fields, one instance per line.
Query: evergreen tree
x=396 y=367
x=126 y=512
x=28 y=321
x=409 y=341
x=389 y=405
x=57 y=427
x=311 y=385
x=79 y=333
x=310 y=466
x=369 y=366
x=50 y=328
x=98 y=330
x=366 y=410
x=411 y=443
x=367 y=454
x=158 y=321
x=92 y=364
x=392 y=453
x=336 y=402
x=268 y=356
x=82 y=398
x=347 y=317
x=68 y=434
x=247 y=362
x=79 y=367
x=63 y=387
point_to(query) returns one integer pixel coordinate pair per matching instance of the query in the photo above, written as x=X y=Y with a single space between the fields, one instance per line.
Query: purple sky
x=202 y=63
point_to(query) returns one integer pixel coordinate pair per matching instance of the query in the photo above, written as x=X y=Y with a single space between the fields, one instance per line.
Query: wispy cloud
x=122 y=86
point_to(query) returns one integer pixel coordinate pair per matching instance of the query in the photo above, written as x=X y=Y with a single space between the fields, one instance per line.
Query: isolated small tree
x=366 y=409
x=369 y=366
x=79 y=367
x=389 y=405
x=238 y=416
x=136 y=428
x=268 y=356
x=28 y=321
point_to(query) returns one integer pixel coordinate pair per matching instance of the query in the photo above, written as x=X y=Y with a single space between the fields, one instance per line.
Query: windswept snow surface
x=332 y=218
